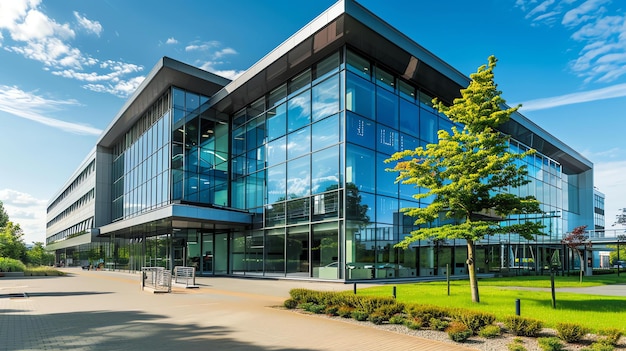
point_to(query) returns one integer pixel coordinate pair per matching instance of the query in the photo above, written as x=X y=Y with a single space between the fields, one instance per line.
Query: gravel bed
x=476 y=342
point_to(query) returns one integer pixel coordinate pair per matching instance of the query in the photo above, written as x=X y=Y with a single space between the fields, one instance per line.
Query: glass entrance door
x=207 y=253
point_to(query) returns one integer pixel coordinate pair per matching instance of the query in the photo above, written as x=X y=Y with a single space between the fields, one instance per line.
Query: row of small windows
x=75 y=230
x=84 y=200
x=77 y=181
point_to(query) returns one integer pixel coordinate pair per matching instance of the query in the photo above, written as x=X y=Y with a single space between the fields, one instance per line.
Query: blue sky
x=67 y=67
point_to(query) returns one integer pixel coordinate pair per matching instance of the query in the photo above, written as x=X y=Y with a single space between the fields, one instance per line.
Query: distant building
x=281 y=173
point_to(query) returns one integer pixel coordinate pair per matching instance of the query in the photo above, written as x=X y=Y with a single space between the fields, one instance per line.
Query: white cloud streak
x=38 y=37
x=171 y=41
x=30 y=106
x=615 y=91
x=90 y=26
x=602 y=57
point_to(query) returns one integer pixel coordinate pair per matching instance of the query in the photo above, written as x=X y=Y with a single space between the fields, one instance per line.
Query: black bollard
x=517 y=307
x=354 y=288
x=394 y=292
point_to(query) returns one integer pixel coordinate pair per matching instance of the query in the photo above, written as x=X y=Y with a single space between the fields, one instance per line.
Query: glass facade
x=306 y=161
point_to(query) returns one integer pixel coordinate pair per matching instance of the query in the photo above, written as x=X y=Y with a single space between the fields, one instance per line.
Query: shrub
x=550 y=344
x=397 y=319
x=438 y=324
x=390 y=310
x=489 y=331
x=599 y=346
x=571 y=332
x=305 y=306
x=474 y=320
x=290 y=304
x=345 y=311
x=332 y=310
x=11 y=265
x=317 y=309
x=413 y=323
x=521 y=326
x=359 y=315
x=427 y=312
x=377 y=318
x=610 y=335
x=370 y=304
x=458 y=331
x=516 y=345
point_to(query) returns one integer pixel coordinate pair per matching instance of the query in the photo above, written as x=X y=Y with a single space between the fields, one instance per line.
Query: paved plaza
x=100 y=310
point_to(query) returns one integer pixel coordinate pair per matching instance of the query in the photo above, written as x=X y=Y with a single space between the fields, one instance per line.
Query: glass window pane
x=385 y=181
x=239 y=140
x=300 y=82
x=358 y=65
x=276 y=151
x=277 y=96
x=326 y=206
x=327 y=66
x=409 y=117
x=298 y=211
x=275 y=251
x=276 y=183
x=325 y=250
x=299 y=143
x=325 y=175
x=407 y=91
x=299 y=111
x=325 y=133
x=274 y=214
x=178 y=98
x=408 y=142
x=428 y=126
x=385 y=79
x=360 y=130
x=192 y=101
x=325 y=98
x=387 y=108
x=277 y=122
x=359 y=164
x=299 y=177
x=386 y=210
x=388 y=140
x=360 y=96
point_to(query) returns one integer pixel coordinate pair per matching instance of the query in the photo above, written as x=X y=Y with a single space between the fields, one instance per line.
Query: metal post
x=394 y=292
x=517 y=307
x=618 y=262
x=354 y=288
x=448 y=277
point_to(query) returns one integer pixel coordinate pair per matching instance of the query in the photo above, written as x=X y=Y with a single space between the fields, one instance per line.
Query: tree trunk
x=580 y=257
x=471 y=270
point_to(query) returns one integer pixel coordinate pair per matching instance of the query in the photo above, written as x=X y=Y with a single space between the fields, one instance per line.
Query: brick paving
x=97 y=310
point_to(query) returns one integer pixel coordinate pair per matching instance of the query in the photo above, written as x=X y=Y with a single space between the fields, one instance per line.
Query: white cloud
x=30 y=106
x=171 y=41
x=39 y=37
x=615 y=91
x=27 y=211
x=602 y=56
x=121 y=88
x=91 y=26
x=224 y=52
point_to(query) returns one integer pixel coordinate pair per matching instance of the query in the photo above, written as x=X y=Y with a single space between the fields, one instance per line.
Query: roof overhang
x=166 y=72
x=162 y=220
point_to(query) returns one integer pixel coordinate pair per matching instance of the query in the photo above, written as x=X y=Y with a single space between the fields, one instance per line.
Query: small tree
x=468 y=173
x=11 y=243
x=577 y=241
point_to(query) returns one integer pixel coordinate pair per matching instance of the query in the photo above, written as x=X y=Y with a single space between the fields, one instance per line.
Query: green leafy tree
x=37 y=255
x=4 y=217
x=11 y=243
x=468 y=173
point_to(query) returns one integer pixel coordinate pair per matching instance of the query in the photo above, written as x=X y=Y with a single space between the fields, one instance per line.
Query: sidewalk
x=99 y=310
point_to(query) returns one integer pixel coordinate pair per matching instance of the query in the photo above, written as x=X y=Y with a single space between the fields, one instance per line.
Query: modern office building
x=281 y=173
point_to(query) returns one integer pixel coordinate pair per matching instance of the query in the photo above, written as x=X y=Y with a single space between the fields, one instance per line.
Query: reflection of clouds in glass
x=297 y=187
x=325 y=98
x=321 y=184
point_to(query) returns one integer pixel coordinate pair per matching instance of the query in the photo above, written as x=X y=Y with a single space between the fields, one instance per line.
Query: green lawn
x=498 y=296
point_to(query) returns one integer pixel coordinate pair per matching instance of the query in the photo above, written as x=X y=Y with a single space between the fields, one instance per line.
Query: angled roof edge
x=166 y=72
